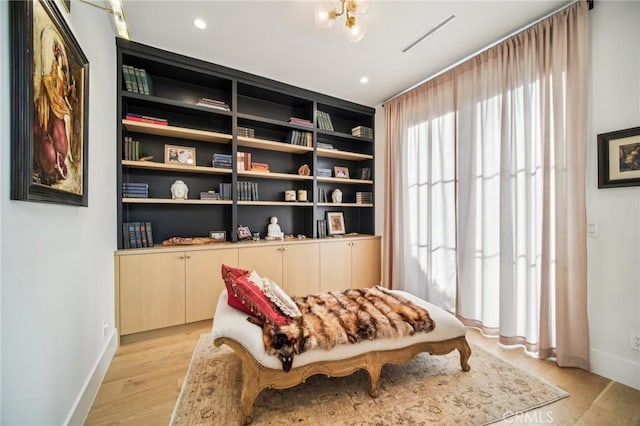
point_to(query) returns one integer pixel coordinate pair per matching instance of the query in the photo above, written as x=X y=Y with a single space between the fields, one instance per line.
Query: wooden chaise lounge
x=263 y=371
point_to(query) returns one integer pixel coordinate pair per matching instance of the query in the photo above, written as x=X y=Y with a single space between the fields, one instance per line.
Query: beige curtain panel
x=485 y=211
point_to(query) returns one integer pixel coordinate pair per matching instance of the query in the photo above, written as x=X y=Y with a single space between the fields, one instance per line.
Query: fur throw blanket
x=339 y=317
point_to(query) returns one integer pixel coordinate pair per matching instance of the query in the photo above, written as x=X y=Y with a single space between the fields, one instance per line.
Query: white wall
x=56 y=267
x=614 y=256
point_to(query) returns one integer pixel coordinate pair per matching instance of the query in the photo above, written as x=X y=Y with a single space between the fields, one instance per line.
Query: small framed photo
x=341 y=172
x=218 y=235
x=180 y=155
x=244 y=233
x=335 y=223
x=619 y=158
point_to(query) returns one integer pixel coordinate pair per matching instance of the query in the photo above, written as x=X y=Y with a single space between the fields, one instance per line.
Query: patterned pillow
x=280 y=298
x=244 y=295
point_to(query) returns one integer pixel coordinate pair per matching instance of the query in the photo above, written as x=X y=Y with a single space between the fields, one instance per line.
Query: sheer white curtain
x=500 y=238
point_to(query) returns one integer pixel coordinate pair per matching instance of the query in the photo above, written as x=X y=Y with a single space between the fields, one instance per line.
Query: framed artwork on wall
x=335 y=223
x=619 y=158
x=50 y=100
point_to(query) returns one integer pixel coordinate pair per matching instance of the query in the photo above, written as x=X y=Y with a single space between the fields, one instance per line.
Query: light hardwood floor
x=145 y=377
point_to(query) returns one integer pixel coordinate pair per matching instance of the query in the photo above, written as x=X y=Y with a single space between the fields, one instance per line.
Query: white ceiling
x=278 y=39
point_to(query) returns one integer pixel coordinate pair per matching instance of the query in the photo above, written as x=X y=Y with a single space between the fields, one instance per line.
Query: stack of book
x=147 y=119
x=364 y=173
x=325 y=145
x=324 y=172
x=225 y=191
x=132 y=149
x=362 y=131
x=247 y=191
x=244 y=161
x=213 y=104
x=137 y=80
x=209 y=195
x=300 y=121
x=260 y=167
x=137 y=234
x=324 y=121
x=135 y=190
x=222 y=161
x=364 y=197
x=322 y=195
x=297 y=137
x=322 y=228
x=247 y=132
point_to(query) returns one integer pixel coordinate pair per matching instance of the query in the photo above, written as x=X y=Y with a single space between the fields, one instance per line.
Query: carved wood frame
x=256 y=377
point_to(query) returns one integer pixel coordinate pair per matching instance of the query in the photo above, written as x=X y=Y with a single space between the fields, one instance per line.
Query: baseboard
x=80 y=410
x=615 y=368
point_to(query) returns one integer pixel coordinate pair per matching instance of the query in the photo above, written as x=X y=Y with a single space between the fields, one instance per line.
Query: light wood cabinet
x=294 y=267
x=349 y=264
x=204 y=282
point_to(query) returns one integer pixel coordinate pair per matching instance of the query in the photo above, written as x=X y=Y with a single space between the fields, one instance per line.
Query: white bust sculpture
x=273 y=230
x=336 y=196
x=179 y=190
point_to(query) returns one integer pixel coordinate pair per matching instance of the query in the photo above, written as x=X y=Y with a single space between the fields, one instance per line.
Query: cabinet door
x=335 y=265
x=266 y=261
x=301 y=269
x=365 y=261
x=204 y=282
x=151 y=291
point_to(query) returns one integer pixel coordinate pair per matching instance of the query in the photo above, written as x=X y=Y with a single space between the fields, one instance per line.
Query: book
x=149 y=234
x=147 y=82
x=130 y=75
x=138 y=234
x=132 y=235
x=125 y=235
x=142 y=84
x=143 y=234
x=126 y=78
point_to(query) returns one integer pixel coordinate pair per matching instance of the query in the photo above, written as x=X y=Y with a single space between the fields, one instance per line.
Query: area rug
x=426 y=390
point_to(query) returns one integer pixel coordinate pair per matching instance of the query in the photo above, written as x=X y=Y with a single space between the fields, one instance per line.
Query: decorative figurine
x=336 y=196
x=273 y=230
x=179 y=190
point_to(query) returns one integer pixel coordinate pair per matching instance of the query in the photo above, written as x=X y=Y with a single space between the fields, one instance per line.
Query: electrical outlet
x=635 y=341
x=105 y=328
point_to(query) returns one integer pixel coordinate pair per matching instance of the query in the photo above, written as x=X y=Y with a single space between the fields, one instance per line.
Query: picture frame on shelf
x=341 y=172
x=50 y=100
x=619 y=158
x=219 y=236
x=335 y=223
x=176 y=154
x=244 y=233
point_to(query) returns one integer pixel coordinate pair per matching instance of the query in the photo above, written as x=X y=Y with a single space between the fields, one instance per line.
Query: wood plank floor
x=145 y=377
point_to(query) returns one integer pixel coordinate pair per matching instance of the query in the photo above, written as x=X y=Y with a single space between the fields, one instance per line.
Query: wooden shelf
x=171 y=201
x=343 y=135
x=281 y=176
x=343 y=180
x=344 y=205
x=343 y=155
x=176 y=132
x=276 y=203
x=272 y=146
x=151 y=165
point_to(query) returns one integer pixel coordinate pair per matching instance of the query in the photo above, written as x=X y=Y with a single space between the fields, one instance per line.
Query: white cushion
x=232 y=323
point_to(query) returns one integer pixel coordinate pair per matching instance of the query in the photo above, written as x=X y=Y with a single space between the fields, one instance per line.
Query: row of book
x=260 y=167
x=213 y=104
x=247 y=132
x=135 y=190
x=147 y=119
x=137 y=234
x=132 y=150
x=325 y=145
x=322 y=195
x=137 y=80
x=364 y=197
x=297 y=137
x=322 y=228
x=324 y=120
x=362 y=131
x=247 y=191
x=300 y=121
x=222 y=161
x=324 y=172
x=225 y=191
x=244 y=161
x=210 y=195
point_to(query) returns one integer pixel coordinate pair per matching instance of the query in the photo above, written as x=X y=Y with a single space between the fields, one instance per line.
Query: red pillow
x=244 y=295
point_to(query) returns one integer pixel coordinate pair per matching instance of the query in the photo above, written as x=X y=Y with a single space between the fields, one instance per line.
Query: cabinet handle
x=284 y=249
x=188 y=257
x=181 y=257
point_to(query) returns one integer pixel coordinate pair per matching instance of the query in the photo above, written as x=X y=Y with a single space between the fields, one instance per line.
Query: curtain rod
x=466 y=58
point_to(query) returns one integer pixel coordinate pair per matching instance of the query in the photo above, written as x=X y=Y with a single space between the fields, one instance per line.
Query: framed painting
x=335 y=223
x=619 y=158
x=50 y=99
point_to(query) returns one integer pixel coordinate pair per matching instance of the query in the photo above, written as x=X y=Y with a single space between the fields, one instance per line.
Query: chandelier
x=354 y=29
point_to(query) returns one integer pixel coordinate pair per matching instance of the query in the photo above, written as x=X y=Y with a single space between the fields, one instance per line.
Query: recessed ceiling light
x=200 y=23
x=364 y=79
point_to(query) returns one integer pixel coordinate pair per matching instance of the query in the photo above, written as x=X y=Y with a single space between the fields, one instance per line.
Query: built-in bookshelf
x=204 y=109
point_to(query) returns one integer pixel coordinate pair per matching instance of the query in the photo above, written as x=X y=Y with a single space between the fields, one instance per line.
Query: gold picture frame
x=341 y=172
x=335 y=223
x=176 y=154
